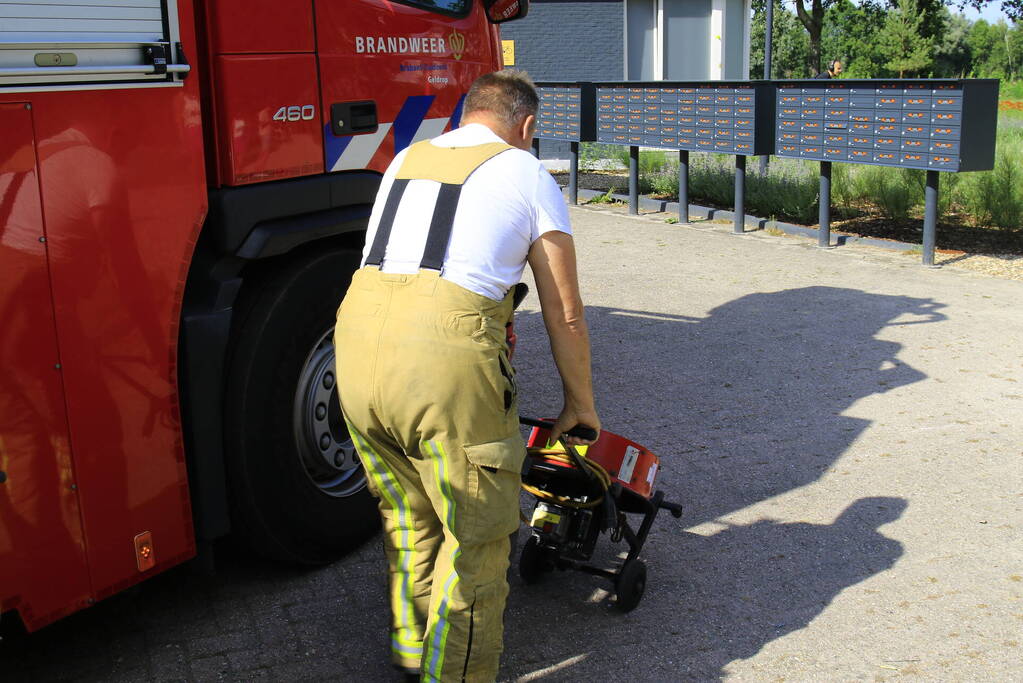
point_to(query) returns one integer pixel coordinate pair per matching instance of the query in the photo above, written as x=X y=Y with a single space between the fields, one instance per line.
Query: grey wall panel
x=642 y=26
x=569 y=41
x=689 y=58
x=734 y=40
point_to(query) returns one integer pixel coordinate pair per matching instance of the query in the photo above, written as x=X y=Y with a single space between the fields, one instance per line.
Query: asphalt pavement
x=843 y=427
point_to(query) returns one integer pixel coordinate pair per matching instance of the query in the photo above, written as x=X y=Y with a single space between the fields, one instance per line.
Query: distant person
x=834 y=68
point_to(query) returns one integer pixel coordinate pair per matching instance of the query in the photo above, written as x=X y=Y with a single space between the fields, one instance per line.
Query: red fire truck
x=184 y=186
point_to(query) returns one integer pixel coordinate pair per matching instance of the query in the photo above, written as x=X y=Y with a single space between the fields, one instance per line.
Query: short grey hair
x=509 y=95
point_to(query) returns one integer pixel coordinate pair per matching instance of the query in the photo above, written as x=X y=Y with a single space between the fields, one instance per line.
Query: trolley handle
x=580 y=431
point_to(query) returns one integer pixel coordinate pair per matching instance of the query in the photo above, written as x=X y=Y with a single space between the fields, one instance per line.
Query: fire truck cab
x=184 y=189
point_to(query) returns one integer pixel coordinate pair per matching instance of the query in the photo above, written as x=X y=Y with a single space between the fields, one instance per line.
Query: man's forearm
x=570 y=346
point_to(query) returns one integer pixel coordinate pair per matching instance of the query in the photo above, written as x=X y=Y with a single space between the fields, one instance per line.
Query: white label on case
x=651 y=473
x=628 y=464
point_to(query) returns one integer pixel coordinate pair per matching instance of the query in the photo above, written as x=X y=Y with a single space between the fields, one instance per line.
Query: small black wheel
x=535 y=561
x=630 y=584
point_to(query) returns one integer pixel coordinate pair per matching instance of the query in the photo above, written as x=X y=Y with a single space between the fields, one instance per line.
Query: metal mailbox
x=728 y=117
x=567 y=113
x=941 y=125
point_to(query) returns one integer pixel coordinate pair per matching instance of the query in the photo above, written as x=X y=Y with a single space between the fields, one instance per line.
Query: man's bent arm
x=552 y=260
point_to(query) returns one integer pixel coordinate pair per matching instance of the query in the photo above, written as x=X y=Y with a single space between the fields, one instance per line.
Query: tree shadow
x=742 y=405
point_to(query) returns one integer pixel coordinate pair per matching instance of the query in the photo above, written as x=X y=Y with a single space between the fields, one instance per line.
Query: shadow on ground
x=743 y=405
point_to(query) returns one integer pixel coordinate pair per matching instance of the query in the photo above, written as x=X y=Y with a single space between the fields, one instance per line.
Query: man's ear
x=528 y=127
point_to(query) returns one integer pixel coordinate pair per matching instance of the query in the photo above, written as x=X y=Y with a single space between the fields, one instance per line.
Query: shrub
x=997 y=198
x=788 y=191
x=594 y=156
x=892 y=195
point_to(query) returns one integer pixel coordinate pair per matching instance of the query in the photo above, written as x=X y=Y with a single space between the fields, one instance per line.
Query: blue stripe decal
x=408 y=120
x=334 y=146
x=456 y=117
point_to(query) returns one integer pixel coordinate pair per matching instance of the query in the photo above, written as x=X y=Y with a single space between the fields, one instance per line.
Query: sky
x=991 y=13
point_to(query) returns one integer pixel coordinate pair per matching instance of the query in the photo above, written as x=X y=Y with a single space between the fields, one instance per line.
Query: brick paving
x=842 y=427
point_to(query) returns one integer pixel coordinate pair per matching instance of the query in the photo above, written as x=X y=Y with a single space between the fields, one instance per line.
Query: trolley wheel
x=535 y=561
x=630 y=584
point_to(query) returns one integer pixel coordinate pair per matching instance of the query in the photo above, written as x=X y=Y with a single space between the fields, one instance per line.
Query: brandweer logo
x=457 y=42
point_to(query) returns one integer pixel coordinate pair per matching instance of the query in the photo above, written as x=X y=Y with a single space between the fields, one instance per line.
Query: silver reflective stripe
x=48 y=42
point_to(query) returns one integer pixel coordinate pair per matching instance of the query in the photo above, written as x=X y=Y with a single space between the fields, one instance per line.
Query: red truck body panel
x=103 y=194
x=90 y=431
x=39 y=511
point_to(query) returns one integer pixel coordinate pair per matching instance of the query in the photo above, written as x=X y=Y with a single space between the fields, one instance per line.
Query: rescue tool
x=581 y=495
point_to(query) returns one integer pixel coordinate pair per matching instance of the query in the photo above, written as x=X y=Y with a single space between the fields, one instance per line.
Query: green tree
x=813 y=21
x=790 y=46
x=901 y=41
x=850 y=34
x=996 y=50
x=952 y=53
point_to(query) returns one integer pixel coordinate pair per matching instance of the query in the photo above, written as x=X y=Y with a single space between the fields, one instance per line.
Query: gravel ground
x=1008 y=265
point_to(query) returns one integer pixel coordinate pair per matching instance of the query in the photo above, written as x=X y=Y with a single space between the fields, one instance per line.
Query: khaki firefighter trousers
x=429 y=397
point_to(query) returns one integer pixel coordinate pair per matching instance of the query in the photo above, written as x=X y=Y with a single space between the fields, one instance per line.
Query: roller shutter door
x=66 y=42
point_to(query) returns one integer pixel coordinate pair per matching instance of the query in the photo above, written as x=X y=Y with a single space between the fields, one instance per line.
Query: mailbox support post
x=683 y=186
x=930 y=217
x=740 y=195
x=634 y=180
x=824 y=215
x=573 y=174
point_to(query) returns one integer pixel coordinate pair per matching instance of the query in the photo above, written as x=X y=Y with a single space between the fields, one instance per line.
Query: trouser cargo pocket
x=493 y=488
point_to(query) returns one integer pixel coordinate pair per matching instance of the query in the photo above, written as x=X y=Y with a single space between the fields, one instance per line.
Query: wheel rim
x=325 y=448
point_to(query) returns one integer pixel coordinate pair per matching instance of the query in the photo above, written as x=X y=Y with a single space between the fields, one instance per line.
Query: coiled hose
x=559 y=456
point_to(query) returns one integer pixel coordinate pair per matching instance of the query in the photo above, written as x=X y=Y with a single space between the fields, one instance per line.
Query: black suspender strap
x=383 y=234
x=440 y=226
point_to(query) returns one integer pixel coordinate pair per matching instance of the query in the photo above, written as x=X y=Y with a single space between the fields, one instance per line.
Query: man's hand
x=570 y=418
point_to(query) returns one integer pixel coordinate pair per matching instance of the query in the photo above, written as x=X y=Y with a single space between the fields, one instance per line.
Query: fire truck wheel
x=630 y=584
x=535 y=561
x=298 y=493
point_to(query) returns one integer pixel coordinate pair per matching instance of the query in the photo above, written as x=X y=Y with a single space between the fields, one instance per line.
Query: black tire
x=630 y=585
x=535 y=561
x=298 y=493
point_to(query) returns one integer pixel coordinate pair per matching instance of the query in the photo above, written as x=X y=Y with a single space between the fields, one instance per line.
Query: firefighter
x=426 y=386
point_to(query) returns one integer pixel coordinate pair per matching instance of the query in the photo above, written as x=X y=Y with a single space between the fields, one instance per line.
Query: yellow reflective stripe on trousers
x=436 y=643
x=391 y=490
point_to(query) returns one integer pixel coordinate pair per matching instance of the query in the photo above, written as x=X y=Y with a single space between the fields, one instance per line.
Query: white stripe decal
x=361 y=149
x=430 y=128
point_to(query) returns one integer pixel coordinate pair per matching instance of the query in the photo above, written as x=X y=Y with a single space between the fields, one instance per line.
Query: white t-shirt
x=505 y=205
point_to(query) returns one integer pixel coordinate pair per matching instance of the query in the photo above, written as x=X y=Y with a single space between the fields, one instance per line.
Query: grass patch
x=606 y=198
